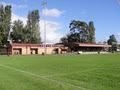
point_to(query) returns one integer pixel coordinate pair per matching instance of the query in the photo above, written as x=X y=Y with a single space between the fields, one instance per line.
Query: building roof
x=23 y=44
x=93 y=45
x=85 y=44
x=33 y=45
x=62 y=44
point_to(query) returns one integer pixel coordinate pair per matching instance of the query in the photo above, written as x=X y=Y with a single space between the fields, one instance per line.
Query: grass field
x=60 y=72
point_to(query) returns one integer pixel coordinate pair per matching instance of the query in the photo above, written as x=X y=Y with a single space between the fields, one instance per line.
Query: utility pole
x=45 y=5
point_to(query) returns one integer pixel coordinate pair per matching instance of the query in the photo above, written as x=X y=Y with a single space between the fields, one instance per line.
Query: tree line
x=20 y=33
x=80 y=31
x=5 y=19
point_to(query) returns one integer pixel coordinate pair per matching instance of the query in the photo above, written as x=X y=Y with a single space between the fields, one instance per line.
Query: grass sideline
x=60 y=72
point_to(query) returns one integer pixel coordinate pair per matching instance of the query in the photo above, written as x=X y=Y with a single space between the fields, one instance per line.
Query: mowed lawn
x=60 y=72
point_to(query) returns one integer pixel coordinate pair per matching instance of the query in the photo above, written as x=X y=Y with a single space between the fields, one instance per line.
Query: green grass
x=60 y=72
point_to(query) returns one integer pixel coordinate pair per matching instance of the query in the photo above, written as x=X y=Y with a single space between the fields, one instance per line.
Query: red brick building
x=27 y=49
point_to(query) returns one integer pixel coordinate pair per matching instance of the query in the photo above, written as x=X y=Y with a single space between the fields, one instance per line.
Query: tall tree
x=5 y=18
x=112 y=41
x=18 y=35
x=80 y=32
x=33 y=27
x=81 y=28
x=91 y=36
x=1 y=22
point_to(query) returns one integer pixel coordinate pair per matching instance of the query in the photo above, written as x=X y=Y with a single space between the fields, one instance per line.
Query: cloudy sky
x=104 y=13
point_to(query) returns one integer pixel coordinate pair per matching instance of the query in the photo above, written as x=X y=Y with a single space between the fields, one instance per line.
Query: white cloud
x=52 y=29
x=16 y=17
x=118 y=37
x=14 y=5
x=53 y=12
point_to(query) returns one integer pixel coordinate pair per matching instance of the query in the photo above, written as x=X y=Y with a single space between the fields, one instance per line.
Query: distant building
x=27 y=49
x=34 y=48
x=59 y=48
x=86 y=47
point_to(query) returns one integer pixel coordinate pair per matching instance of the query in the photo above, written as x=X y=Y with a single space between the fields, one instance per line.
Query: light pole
x=44 y=4
x=8 y=39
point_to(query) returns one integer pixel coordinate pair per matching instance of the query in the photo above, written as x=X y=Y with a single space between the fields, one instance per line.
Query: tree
x=81 y=28
x=33 y=27
x=73 y=37
x=5 y=21
x=112 y=41
x=64 y=39
x=1 y=22
x=80 y=32
x=27 y=33
x=91 y=36
x=18 y=35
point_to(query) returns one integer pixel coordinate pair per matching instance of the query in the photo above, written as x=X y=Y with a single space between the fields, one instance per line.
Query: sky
x=104 y=13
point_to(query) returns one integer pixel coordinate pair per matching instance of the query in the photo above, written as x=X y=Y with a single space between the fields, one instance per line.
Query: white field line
x=43 y=77
x=72 y=72
x=82 y=71
x=110 y=69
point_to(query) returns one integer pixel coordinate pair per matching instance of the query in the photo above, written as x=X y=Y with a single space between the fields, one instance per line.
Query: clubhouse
x=59 y=48
x=86 y=47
